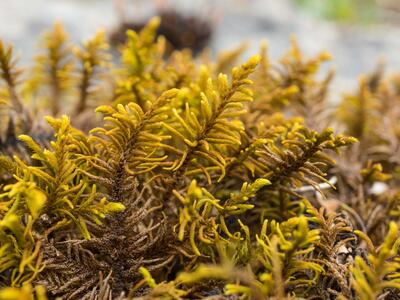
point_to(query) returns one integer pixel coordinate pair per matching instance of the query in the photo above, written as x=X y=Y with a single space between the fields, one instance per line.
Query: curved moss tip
x=255 y=59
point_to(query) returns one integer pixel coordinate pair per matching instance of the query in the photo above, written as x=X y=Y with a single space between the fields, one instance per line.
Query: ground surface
x=356 y=49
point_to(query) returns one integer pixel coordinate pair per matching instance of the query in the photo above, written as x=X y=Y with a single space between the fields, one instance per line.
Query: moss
x=186 y=183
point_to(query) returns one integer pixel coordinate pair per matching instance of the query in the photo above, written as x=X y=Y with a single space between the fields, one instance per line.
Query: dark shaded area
x=179 y=30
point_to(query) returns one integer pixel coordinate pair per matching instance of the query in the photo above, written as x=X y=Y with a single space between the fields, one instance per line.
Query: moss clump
x=188 y=183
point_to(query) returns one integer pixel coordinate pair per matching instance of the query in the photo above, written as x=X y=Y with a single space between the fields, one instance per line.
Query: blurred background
x=358 y=33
